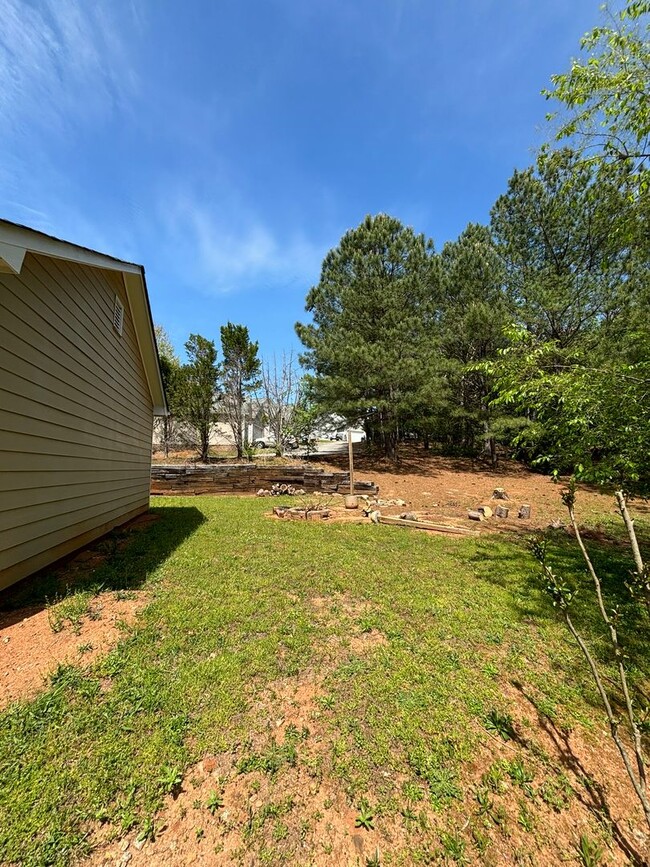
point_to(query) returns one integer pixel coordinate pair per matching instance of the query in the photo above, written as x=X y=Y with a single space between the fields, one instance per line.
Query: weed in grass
x=556 y=792
x=485 y=802
x=590 y=852
x=84 y=648
x=412 y=791
x=441 y=779
x=70 y=611
x=272 y=810
x=280 y=831
x=481 y=841
x=124 y=595
x=147 y=832
x=326 y=702
x=500 y=724
x=199 y=834
x=170 y=780
x=214 y=802
x=270 y=761
x=490 y=670
x=374 y=860
x=494 y=779
x=196 y=804
x=525 y=818
x=521 y=775
x=366 y=817
x=500 y=817
x=453 y=848
x=366 y=624
x=408 y=813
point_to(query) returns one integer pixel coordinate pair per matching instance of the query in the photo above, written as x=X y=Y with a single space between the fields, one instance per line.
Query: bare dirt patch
x=277 y=798
x=227 y=813
x=30 y=649
x=73 y=625
x=447 y=488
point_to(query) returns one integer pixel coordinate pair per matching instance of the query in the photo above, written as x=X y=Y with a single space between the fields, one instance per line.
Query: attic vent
x=118 y=316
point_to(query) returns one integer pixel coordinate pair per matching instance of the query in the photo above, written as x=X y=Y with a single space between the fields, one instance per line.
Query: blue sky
x=228 y=144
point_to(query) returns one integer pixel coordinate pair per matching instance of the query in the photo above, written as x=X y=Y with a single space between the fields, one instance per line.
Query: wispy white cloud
x=62 y=63
x=239 y=253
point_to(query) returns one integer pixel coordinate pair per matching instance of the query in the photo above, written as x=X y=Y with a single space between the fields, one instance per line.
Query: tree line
x=532 y=331
x=205 y=391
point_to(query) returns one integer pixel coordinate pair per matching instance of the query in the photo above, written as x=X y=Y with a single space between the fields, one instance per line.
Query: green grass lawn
x=237 y=604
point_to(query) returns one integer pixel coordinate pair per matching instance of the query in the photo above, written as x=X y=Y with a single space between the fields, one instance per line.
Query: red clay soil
x=303 y=815
x=30 y=650
x=35 y=639
x=447 y=488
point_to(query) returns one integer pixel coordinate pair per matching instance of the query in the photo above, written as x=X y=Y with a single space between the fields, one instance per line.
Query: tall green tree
x=474 y=313
x=605 y=96
x=369 y=344
x=563 y=231
x=169 y=370
x=197 y=390
x=241 y=369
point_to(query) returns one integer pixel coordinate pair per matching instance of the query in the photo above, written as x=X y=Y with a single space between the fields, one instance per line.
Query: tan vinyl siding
x=75 y=413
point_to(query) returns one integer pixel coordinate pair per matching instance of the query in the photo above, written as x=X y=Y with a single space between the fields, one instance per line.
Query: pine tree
x=370 y=342
x=241 y=369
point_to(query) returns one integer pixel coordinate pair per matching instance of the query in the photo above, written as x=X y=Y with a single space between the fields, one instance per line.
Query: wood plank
x=426 y=525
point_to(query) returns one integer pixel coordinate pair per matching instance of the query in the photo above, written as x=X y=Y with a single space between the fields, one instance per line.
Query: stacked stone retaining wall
x=249 y=478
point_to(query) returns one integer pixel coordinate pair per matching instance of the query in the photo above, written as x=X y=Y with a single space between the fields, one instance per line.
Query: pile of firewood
x=281 y=491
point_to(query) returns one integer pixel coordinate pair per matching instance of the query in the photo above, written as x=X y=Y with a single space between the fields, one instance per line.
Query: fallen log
x=426 y=525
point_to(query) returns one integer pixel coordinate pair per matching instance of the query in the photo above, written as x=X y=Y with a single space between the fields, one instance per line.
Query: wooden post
x=351 y=461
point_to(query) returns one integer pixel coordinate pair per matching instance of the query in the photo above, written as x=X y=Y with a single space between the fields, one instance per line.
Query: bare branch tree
x=280 y=387
x=562 y=596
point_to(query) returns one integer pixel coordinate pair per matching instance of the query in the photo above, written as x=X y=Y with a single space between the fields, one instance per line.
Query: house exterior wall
x=75 y=413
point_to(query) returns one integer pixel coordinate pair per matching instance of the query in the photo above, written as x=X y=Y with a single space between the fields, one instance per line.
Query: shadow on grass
x=123 y=559
x=593 y=795
x=514 y=568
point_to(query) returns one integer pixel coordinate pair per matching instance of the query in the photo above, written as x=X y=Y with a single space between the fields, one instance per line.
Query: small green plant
x=374 y=860
x=409 y=813
x=70 y=611
x=148 y=831
x=275 y=757
x=412 y=791
x=485 y=802
x=85 y=648
x=481 y=841
x=500 y=724
x=214 y=802
x=499 y=817
x=170 y=780
x=526 y=819
x=590 y=852
x=521 y=775
x=366 y=817
x=453 y=847
x=493 y=779
x=366 y=624
x=280 y=831
x=199 y=834
x=556 y=792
